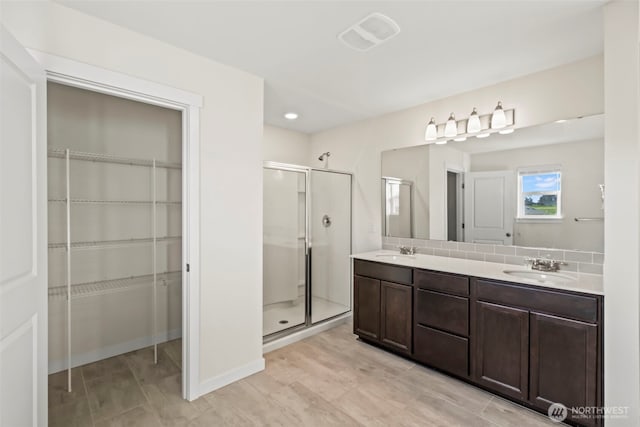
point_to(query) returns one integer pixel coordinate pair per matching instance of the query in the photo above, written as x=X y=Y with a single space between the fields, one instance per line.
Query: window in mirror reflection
x=539 y=193
x=399 y=205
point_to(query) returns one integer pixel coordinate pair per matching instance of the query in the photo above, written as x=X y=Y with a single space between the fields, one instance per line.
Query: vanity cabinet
x=441 y=321
x=537 y=346
x=383 y=298
x=531 y=344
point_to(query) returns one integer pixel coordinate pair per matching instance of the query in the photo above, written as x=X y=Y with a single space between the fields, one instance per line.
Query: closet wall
x=112 y=224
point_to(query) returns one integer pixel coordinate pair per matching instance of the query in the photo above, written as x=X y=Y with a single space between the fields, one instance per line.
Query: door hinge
x=463 y=225
x=188 y=268
x=463 y=185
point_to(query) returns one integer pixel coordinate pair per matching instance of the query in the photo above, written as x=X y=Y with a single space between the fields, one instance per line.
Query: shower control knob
x=508 y=234
x=326 y=221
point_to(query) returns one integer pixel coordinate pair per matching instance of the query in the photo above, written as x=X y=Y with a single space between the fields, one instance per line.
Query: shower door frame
x=308 y=245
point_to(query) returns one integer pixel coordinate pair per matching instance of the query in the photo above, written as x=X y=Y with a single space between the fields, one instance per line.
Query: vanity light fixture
x=431 y=134
x=498 y=121
x=498 y=118
x=290 y=116
x=451 y=127
x=473 y=124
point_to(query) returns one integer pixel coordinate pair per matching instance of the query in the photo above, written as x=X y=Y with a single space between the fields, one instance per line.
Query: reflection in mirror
x=526 y=188
x=408 y=165
x=398 y=214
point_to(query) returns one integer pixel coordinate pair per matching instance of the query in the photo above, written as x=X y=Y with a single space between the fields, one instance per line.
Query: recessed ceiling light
x=441 y=142
x=561 y=121
x=506 y=131
x=290 y=116
x=460 y=139
x=482 y=135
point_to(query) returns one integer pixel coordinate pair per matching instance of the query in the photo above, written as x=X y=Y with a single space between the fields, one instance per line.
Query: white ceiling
x=444 y=47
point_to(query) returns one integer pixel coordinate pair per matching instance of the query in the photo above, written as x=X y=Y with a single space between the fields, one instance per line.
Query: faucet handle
x=528 y=261
x=407 y=250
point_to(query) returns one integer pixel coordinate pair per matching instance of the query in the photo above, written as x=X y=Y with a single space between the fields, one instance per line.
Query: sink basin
x=541 y=276
x=395 y=256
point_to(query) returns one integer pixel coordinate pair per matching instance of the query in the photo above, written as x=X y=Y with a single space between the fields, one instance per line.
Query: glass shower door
x=331 y=244
x=284 y=249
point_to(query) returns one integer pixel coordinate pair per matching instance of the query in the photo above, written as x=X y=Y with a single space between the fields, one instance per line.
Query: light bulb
x=441 y=142
x=461 y=139
x=432 y=131
x=291 y=116
x=451 y=127
x=483 y=135
x=506 y=131
x=498 y=119
x=473 y=124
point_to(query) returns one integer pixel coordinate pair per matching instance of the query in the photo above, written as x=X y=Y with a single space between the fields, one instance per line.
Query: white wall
x=286 y=146
x=622 y=209
x=581 y=197
x=568 y=91
x=231 y=124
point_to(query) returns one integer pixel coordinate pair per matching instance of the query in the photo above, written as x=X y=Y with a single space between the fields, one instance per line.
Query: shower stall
x=307 y=243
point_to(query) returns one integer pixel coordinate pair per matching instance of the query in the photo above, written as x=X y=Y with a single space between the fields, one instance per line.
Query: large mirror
x=541 y=186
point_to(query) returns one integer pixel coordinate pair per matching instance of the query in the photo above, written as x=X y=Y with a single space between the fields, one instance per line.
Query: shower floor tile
x=294 y=314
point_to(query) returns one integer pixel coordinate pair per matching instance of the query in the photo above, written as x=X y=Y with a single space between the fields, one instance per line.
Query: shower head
x=323 y=155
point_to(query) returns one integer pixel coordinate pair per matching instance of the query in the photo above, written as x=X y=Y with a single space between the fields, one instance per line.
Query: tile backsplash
x=583 y=262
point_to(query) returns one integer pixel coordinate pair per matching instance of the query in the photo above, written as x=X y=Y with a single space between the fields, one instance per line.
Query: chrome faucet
x=407 y=250
x=544 y=264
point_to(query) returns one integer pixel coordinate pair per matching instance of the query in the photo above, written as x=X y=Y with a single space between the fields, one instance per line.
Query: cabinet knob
x=508 y=234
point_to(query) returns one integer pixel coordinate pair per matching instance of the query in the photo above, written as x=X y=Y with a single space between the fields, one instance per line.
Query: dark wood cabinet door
x=563 y=363
x=396 y=320
x=366 y=295
x=502 y=349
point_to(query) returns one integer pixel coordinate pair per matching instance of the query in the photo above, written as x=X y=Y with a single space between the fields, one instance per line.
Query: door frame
x=459 y=171
x=96 y=79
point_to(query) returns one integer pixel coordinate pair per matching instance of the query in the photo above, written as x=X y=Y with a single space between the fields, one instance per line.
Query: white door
x=489 y=207
x=23 y=238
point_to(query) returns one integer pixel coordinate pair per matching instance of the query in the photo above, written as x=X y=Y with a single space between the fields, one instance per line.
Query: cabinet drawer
x=578 y=307
x=386 y=272
x=442 y=350
x=450 y=283
x=447 y=312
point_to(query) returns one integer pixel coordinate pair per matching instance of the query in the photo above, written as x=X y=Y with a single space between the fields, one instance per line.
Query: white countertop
x=587 y=283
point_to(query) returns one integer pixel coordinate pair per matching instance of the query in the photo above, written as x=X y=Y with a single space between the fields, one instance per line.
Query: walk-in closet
x=115 y=229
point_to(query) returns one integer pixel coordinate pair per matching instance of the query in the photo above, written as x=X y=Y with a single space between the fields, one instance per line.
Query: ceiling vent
x=369 y=32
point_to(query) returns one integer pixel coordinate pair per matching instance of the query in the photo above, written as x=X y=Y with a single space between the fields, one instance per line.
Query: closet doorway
x=132 y=286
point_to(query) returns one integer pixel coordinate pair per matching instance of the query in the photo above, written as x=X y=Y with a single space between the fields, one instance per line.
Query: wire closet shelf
x=72 y=291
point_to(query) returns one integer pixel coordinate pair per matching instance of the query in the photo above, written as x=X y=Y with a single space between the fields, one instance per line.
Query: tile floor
x=330 y=379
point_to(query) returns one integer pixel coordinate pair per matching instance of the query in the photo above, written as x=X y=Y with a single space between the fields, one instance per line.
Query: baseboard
x=305 y=333
x=110 y=351
x=231 y=376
